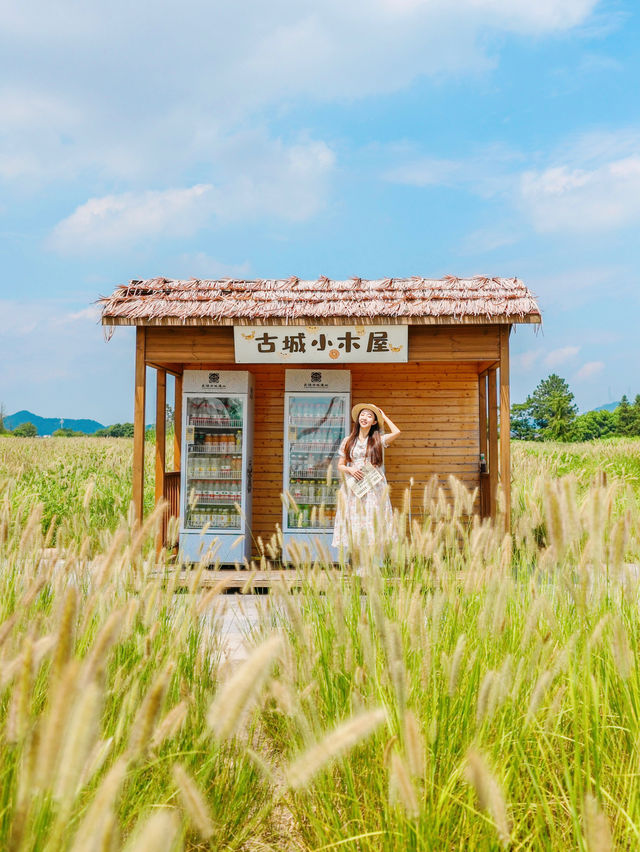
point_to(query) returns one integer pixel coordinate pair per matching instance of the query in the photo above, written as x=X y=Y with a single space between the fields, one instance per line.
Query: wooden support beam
x=139 y=425
x=493 y=443
x=161 y=432
x=482 y=444
x=505 y=426
x=177 y=424
x=482 y=412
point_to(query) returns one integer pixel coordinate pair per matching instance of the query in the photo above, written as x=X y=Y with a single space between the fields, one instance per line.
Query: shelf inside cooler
x=215 y=422
x=314 y=447
x=307 y=473
x=294 y=526
x=212 y=527
x=206 y=500
x=308 y=501
x=210 y=450
x=213 y=476
x=317 y=422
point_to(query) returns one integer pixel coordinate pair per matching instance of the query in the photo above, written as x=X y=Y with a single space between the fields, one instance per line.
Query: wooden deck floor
x=244 y=580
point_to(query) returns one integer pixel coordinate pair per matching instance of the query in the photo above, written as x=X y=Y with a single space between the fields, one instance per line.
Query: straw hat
x=355 y=411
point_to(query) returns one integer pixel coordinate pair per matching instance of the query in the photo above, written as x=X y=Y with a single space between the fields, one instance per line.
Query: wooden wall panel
x=426 y=343
x=435 y=405
x=186 y=345
x=459 y=343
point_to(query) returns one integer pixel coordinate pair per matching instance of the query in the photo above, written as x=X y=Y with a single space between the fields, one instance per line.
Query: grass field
x=488 y=697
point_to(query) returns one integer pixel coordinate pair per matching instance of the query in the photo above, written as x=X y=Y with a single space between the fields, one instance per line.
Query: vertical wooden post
x=139 y=424
x=161 y=435
x=177 y=422
x=482 y=426
x=505 y=425
x=493 y=442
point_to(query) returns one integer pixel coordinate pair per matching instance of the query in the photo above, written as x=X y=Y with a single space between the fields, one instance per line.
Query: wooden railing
x=171 y=494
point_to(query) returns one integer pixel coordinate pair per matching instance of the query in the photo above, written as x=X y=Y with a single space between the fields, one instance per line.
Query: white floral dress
x=362 y=521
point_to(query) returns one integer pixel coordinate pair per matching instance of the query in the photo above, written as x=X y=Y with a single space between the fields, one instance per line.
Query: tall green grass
x=476 y=692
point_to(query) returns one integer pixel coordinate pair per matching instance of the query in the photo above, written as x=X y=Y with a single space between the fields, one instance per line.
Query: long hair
x=374 y=443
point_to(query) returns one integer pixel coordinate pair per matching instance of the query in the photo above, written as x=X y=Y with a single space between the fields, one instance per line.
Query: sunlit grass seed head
x=414 y=745
x=539 y=692
x=236 y=696
x=489 y=793
x=597 y=831
x=158 y=832
x=148 y=712
x=621 y=649
x=455 y=666
x=335 y=744
x=99 y=828
x=401 y=788
x=193 y=802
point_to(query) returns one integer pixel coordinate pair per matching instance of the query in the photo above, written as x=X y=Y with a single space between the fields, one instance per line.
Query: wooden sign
x=315 y=344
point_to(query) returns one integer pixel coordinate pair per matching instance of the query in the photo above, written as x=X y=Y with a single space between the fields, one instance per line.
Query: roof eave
x=525 y=319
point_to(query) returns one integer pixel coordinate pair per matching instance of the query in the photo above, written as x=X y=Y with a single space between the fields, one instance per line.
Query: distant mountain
x=48 y=425
x=610 y=406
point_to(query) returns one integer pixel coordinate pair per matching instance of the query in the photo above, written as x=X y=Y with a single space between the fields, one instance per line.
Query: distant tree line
x=550 y=414
x=118 y=430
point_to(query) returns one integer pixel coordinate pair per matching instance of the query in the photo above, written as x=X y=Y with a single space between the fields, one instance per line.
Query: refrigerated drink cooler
x=217 y=466
x=317 y=417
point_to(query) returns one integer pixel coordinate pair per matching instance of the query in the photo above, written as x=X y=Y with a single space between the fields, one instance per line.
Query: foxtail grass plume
x=490 y=796
x=81 y=734
x=147 y=715
x=108 y=635
x=19 y=706
x=401 y=789
x=333 y=746
x=456 y=664
x=193 y=802
x=622 y=654
x=235 y=696
x=597 y=831
x=414 y=745
x=99 y=828
x=538 y=694
x=170 y=725
x=158 y=833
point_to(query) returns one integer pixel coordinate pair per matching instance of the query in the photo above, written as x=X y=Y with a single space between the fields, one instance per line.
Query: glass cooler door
x=214 y=474
x=316 y=425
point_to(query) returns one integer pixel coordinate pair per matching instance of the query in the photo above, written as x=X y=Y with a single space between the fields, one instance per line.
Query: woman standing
x=364 y=523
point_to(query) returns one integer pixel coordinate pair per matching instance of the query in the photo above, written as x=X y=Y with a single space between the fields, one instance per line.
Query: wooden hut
x=449 y=394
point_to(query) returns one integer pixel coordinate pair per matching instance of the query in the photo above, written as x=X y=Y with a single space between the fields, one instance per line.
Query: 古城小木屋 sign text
x=333 y=344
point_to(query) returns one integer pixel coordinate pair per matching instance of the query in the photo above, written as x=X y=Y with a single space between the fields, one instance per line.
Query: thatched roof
x=159 y=301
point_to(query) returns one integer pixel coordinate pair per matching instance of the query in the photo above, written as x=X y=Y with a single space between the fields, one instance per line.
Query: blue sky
x=380 y=138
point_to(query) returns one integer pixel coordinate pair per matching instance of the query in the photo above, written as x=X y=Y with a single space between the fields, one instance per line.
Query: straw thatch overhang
x=165 y=302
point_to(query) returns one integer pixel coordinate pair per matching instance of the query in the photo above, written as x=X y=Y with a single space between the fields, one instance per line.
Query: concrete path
x=234 y=618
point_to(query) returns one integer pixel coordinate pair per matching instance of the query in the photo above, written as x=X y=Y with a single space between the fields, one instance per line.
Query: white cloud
x=489 y=239
x=201 y=265
x=590 y=369
x=527 y=360
x=590 y=184
x=571 y=288
x=117 y=220
x=487 y=173
x=148 y=89
x=557 y=357
x=562 y=198
x=90 y=313
x=287 y=183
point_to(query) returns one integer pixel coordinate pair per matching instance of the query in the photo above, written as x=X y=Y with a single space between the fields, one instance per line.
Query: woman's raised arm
x=393 y=429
